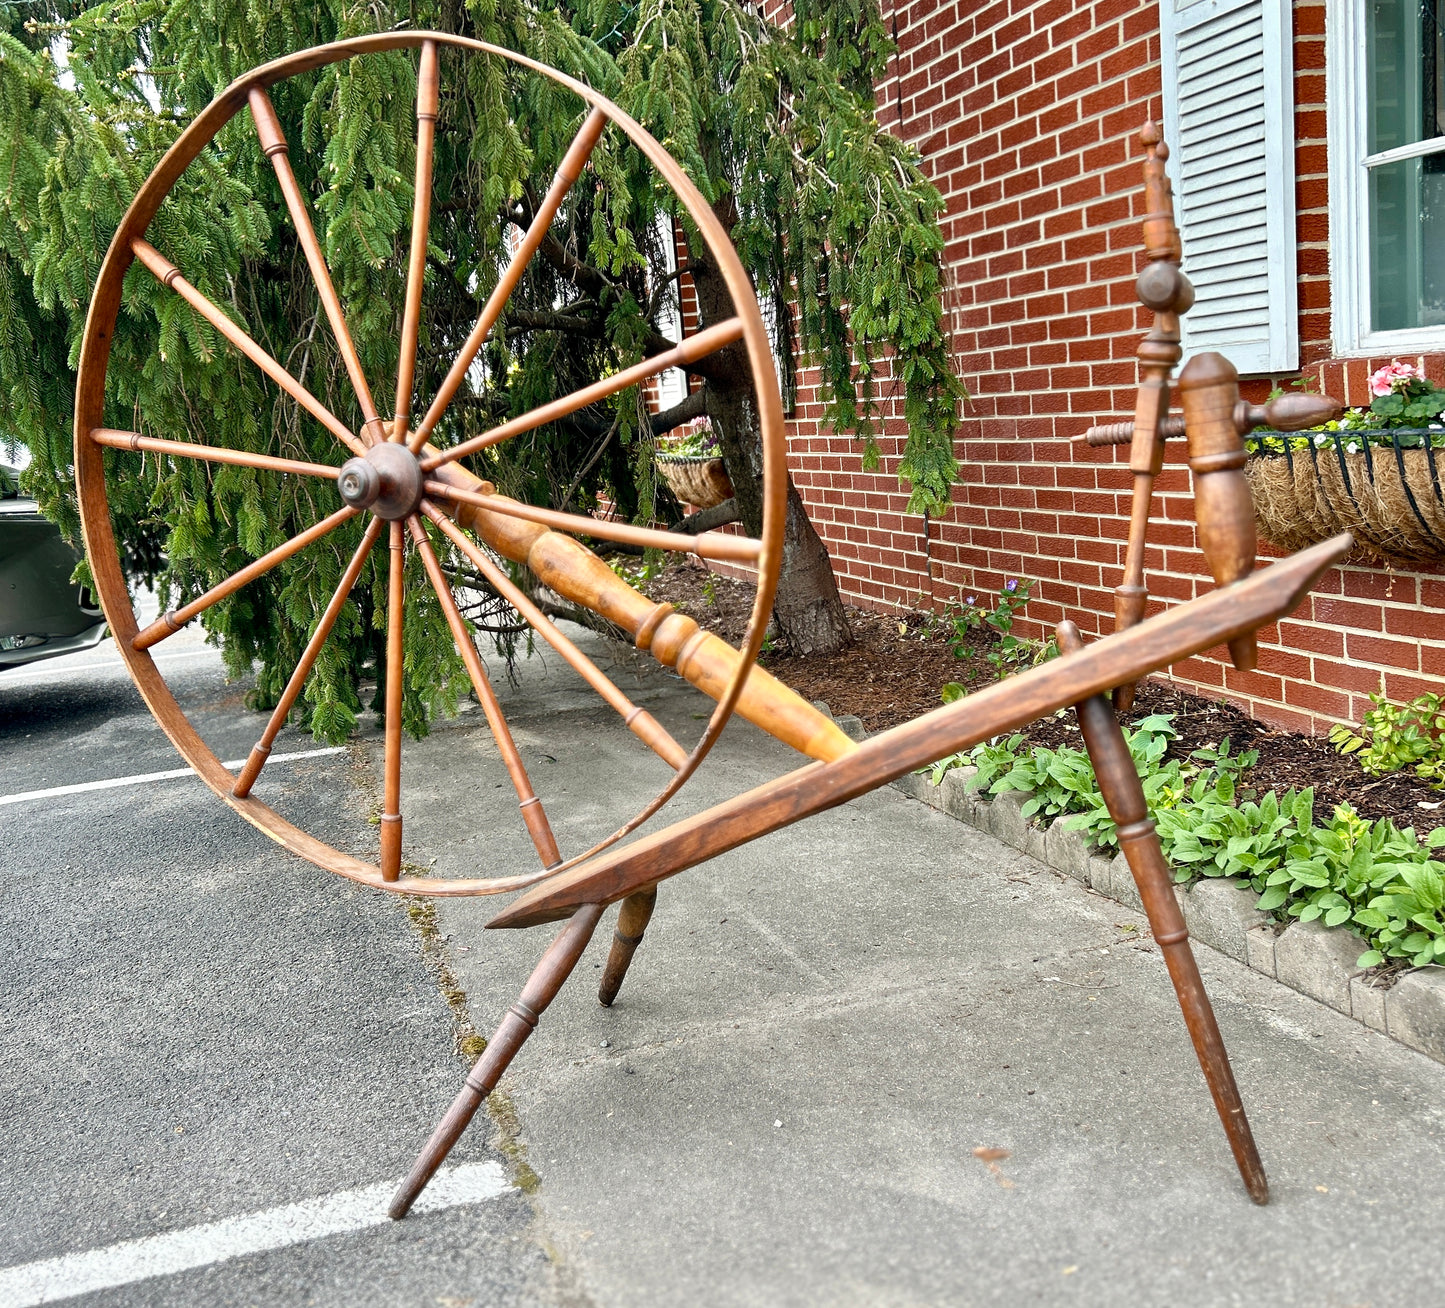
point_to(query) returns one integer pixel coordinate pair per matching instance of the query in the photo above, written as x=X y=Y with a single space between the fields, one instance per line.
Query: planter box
x=1384 y=486
x=1305 y=956
x=695 y=480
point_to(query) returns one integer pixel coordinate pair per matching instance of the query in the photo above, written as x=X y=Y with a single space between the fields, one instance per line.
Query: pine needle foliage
x=831 y=216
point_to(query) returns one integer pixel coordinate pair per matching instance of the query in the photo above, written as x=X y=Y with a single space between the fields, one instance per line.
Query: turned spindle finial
x=1161 y=236
x=1163 y=288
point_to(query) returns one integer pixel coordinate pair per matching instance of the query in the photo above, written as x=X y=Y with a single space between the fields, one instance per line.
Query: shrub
x=1372 y=875
x=1398 y=736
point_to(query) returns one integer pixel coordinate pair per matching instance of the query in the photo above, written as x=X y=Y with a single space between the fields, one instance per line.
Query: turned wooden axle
x=1283 y=413
x=569 y=568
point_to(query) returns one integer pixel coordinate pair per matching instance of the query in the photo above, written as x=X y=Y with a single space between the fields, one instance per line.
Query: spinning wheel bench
x=396 y=482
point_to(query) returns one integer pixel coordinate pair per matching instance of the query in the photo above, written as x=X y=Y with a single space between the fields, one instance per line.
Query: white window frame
x=1346 y=124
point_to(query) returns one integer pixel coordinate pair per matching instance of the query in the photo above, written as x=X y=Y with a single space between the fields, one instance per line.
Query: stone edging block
x=1415 y=1011
x=1306 y=956
x=1318 y=962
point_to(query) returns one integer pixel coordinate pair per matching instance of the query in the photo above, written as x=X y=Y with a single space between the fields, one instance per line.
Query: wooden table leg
x=1124 y=794
x=521 y=1020
x=632 y=920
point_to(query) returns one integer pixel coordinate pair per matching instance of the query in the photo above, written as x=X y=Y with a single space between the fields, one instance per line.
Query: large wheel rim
x=91 y=439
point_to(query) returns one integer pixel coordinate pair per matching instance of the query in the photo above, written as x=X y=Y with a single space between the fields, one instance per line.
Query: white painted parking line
x=201 y=1246
x=141 y=778
x=45 y=674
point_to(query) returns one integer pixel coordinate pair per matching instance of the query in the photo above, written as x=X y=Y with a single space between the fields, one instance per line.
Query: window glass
x=1407 y=245
x=1405 y=64
x=1405 y=67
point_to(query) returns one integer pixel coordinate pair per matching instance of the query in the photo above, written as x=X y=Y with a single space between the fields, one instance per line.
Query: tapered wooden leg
x=632 y=920
x=521 y=1020
x=1124 y=794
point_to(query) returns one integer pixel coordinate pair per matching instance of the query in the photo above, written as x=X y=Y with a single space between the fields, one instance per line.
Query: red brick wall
x=1026 y=114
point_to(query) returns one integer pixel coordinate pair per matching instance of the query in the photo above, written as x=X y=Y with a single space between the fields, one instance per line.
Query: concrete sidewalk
x=821 y=1028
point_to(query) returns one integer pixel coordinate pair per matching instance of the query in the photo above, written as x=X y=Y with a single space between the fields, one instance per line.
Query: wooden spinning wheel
x=397 y=477
x=406 y=485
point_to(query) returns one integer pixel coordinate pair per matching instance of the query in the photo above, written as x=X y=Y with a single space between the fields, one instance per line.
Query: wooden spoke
x=427 y=100
x=532 y=814
x=261 y=751
x=567 y=173
x=639 y=721
x=131 y=440
x=391 y=781
x=692 y=349
x=273 y=143
x=706 y=544
x=167 y=273
x=170 y=623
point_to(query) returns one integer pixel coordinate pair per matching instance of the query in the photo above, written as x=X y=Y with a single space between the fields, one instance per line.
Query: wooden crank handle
x=1287 y=413
x=1223 y=508
x=569 y=568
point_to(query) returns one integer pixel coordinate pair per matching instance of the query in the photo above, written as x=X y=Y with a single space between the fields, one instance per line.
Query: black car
x=42 y=612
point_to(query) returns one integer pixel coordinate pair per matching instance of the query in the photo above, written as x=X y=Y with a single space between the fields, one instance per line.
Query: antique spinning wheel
x=404 y=484
x=389 y=470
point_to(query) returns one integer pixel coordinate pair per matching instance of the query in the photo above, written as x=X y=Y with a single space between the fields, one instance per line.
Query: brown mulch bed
x=896 y=666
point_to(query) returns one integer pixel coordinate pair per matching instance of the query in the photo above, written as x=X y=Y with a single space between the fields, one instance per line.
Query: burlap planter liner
x=1389 y=497
x=695 y=480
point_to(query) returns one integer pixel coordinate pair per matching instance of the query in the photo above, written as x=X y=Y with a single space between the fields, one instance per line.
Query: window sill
x=1427 y=340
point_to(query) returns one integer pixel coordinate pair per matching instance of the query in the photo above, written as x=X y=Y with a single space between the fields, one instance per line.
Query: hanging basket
x=1382 y=485
x=695 y=479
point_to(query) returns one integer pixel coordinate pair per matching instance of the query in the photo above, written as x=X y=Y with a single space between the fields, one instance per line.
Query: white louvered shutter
x=1229 y=122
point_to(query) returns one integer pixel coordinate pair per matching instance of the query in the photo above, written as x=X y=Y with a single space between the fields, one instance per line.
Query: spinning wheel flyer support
x=1166 y=290
x=1214 y=420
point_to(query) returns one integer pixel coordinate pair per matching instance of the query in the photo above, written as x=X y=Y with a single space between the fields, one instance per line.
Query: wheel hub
x=387 y=480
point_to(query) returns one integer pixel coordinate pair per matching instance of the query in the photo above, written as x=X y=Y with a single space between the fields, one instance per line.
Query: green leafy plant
x=639 y=573
x=1407 y=918
x=1394 y=736
x=696 y=442
x=1405 y=401
x=966 y=619
x=1373 y=876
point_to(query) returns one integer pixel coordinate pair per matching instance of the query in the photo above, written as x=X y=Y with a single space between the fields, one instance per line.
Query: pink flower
x=1393 y=376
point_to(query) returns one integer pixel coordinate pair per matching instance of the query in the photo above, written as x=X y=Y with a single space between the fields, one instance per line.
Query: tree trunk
x=808 y=611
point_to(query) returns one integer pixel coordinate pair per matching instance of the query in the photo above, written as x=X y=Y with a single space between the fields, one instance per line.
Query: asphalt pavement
x=199 y=1027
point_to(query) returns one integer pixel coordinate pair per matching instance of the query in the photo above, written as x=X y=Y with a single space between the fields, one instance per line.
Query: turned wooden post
x=521 y=1020
x=632 y=920
x=1124 y=795
x=1223 y=507
x=1165 y=289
